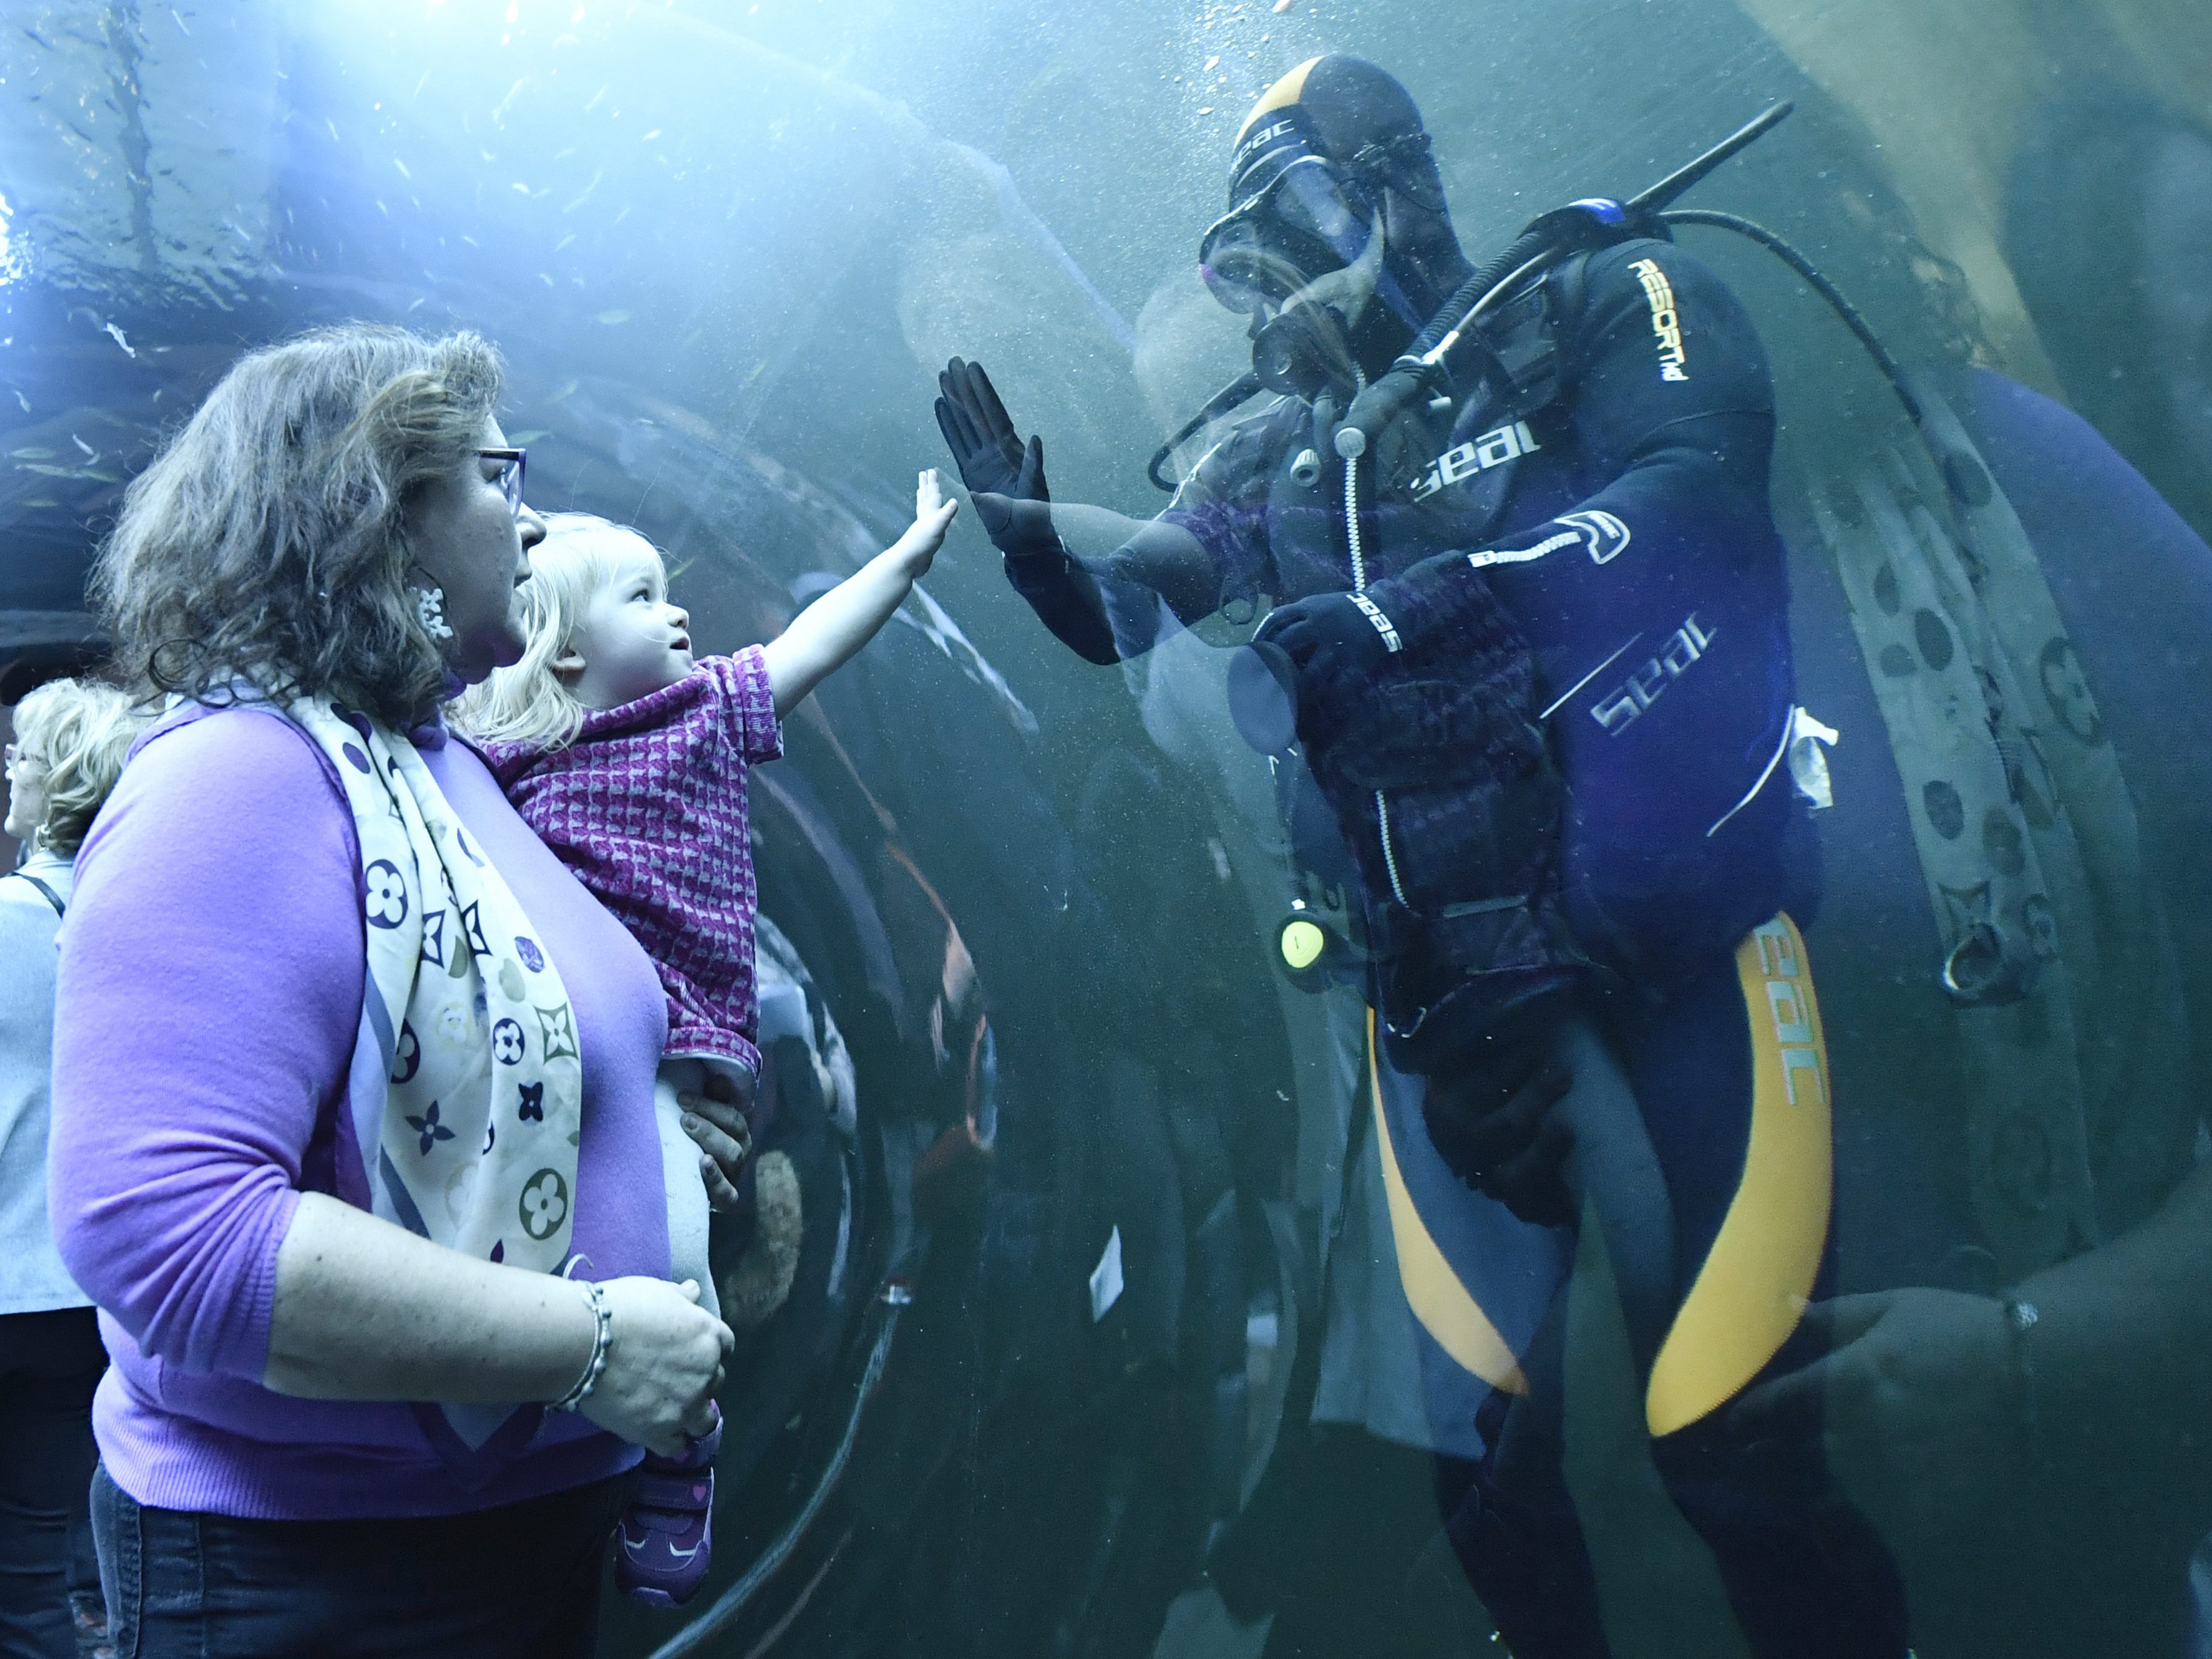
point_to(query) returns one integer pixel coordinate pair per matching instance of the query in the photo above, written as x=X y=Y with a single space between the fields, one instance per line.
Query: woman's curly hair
x=265 y=542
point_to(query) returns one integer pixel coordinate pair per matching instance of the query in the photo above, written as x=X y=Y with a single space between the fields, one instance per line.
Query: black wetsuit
x=1623 y=525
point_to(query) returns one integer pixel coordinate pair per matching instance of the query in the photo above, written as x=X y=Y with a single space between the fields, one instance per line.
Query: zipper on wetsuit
x=1358 y=549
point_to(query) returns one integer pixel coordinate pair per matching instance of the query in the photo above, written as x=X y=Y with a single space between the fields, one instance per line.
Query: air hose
x=1356 y=544
x=1218 y=405
x=1892 y=370
x=1423 y=369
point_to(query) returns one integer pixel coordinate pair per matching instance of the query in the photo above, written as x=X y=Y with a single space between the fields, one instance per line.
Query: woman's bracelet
x=603 y=1338
x=2020 y=1317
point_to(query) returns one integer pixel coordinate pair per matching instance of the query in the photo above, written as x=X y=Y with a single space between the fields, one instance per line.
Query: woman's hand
x=716 y=1121
x=1918 y=1401
x=664 y=1364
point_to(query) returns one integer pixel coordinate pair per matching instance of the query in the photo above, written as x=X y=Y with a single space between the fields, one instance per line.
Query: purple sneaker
x=667 y=1534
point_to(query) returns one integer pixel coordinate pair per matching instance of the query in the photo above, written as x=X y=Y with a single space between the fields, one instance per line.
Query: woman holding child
x=353 y=1082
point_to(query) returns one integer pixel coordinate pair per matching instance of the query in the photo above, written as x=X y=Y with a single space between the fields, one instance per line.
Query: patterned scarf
x=467 y=1085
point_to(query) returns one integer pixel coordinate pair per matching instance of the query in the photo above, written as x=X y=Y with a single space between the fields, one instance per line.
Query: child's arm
x=823 y=637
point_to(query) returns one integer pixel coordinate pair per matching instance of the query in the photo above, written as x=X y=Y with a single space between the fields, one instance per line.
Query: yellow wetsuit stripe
x=1444 y=1305
x=1751 y=1291
x=1285 y=93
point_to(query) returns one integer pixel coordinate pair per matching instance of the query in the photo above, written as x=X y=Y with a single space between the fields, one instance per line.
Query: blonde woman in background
x=71 y=740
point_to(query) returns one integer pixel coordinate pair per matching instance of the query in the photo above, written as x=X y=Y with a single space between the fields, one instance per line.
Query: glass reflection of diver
x=1538 y=680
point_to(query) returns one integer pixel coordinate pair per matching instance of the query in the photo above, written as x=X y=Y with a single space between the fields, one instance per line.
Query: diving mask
x=1305 y=222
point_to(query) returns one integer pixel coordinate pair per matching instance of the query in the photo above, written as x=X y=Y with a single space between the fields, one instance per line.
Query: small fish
x=21 y=399
x=1213 y=62
x=1282 y=5
x=586 y=195
x=90 y=454
x=31 y=453
x=612 y=318
x=534 y=435
x=114 y=334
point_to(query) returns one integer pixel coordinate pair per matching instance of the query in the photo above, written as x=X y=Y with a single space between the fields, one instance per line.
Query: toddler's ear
x=567 y=665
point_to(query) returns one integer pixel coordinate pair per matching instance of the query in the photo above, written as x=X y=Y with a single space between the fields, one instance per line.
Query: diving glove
x=1332 y=640
x=1003 y=473
x=1335 y=640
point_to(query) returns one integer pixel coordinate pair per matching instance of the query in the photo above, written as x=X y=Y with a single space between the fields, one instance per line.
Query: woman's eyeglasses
x=512 y=463
x=12 y=760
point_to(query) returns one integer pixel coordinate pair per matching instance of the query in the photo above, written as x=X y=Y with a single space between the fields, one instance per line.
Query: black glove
x=1495 y=1129
x=1005 y=475
x=1335 y=643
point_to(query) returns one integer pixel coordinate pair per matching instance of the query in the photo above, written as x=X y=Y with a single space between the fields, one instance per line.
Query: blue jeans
x=50 y=1363
x=519 y=1581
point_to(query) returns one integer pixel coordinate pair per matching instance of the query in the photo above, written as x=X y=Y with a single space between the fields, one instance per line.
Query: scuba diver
x=1528 y=692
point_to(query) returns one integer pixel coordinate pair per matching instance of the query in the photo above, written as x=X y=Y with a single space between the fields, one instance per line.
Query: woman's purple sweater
x=209 y=994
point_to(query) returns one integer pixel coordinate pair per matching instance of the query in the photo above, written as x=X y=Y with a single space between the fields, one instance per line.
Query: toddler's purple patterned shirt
x=648 y=809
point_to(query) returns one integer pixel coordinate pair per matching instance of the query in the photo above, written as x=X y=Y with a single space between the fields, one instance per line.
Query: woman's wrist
x=593 y=1365
x=2021 y=1318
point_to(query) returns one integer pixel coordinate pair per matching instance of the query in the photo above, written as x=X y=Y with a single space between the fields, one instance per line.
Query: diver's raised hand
x=991 y=456
x=1019 y=529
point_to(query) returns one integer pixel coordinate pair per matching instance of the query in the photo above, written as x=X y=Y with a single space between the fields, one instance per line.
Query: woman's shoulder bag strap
x=53 y=897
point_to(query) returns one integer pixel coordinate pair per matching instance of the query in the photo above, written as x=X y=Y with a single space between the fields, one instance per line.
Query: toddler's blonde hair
x=527 y=703
x=79 y=732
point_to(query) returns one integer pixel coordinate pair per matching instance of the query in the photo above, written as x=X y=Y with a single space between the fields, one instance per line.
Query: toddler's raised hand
x=933 y=516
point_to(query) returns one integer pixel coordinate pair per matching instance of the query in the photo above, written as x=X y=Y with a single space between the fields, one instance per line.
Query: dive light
x=1310 y=953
